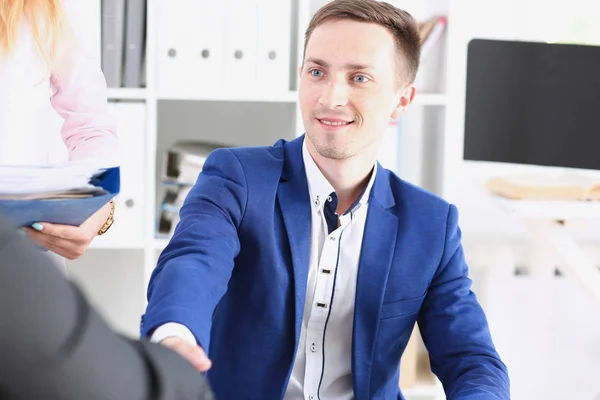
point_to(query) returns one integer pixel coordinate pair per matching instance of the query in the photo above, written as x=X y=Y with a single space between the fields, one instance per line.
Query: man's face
x=350 y=88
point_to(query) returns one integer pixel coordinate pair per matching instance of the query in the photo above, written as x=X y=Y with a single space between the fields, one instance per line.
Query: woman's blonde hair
x=48 y=22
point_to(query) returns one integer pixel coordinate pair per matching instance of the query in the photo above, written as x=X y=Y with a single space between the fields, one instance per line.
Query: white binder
x=274 y=44
x=240 y=45
x=205 y=19
x=173 y=57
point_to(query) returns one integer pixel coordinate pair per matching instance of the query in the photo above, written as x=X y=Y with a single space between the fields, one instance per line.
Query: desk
x=545 y=221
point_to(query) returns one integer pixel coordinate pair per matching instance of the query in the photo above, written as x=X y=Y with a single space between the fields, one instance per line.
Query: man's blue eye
x=361 y=79
x=316 y=72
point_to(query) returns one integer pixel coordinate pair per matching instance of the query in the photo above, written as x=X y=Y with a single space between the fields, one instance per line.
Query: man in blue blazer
x=300 y=269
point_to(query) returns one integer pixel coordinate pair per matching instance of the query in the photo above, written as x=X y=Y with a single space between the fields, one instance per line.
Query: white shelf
x=257 y=96
x=127 y=94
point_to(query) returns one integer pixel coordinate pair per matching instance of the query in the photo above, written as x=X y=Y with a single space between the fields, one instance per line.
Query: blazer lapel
x=294 y=200
x=377 y=250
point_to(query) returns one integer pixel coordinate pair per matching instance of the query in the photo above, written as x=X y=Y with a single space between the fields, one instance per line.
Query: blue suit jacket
x=235 y=273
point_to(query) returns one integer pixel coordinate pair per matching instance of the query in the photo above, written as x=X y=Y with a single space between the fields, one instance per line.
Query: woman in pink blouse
x=49 y=73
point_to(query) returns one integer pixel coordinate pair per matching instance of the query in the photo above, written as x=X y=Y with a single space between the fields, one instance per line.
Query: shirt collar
x=319 y=187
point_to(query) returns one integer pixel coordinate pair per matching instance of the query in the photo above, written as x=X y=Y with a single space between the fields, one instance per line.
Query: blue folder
x=63 y=211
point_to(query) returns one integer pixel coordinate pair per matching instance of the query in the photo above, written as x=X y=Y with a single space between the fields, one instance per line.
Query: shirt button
x=331 y=237
x=313 y=348
x=311 y=397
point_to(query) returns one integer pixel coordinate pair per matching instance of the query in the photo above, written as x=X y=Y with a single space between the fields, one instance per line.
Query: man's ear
x=405 y=96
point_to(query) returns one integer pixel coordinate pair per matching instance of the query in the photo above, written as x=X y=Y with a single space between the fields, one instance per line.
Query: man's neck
x=348 y=177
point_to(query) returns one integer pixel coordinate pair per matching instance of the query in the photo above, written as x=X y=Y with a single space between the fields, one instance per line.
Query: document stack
x=66 y=193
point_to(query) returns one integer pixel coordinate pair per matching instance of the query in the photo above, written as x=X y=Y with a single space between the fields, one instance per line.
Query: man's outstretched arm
x=194 y=269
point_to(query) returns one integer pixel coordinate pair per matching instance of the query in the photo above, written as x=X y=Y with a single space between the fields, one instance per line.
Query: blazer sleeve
x=193 y=271
x=455 y=329
x=55 y=346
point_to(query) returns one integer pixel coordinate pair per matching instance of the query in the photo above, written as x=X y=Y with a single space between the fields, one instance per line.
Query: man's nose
x=334 y=94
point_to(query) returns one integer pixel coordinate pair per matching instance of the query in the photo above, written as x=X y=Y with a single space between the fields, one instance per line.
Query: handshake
x=191 y=352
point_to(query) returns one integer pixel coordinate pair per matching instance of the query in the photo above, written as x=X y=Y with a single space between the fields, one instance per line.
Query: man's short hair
x=400 y=23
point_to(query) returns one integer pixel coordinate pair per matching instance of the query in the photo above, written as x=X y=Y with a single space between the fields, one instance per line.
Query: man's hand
x=65 y=240
x=193 y=353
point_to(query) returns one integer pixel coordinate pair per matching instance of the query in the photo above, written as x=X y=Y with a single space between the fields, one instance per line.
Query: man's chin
x=333 y=152
x=329 y=146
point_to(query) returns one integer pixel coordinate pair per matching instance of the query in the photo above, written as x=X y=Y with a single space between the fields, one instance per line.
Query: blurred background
x=187 y=76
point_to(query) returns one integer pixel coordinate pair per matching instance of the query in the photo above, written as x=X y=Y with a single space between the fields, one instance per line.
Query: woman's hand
x=66 y=240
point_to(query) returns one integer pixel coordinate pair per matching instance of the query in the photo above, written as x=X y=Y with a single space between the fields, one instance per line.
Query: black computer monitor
x=533 y=103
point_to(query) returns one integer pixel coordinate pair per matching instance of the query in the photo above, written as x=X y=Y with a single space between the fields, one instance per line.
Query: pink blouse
x=80 y=98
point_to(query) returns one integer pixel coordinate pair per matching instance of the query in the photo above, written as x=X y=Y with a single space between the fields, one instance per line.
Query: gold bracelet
x=109 y=220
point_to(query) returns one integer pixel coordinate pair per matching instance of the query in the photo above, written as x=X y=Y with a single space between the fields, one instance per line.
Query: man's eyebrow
x=348 y=66
x=353 y=66
x=318 y=61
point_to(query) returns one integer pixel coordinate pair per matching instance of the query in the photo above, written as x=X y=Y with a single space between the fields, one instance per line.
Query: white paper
x=43 y=181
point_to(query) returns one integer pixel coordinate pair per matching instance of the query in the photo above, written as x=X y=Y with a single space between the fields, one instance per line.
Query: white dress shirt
x=322 y=368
